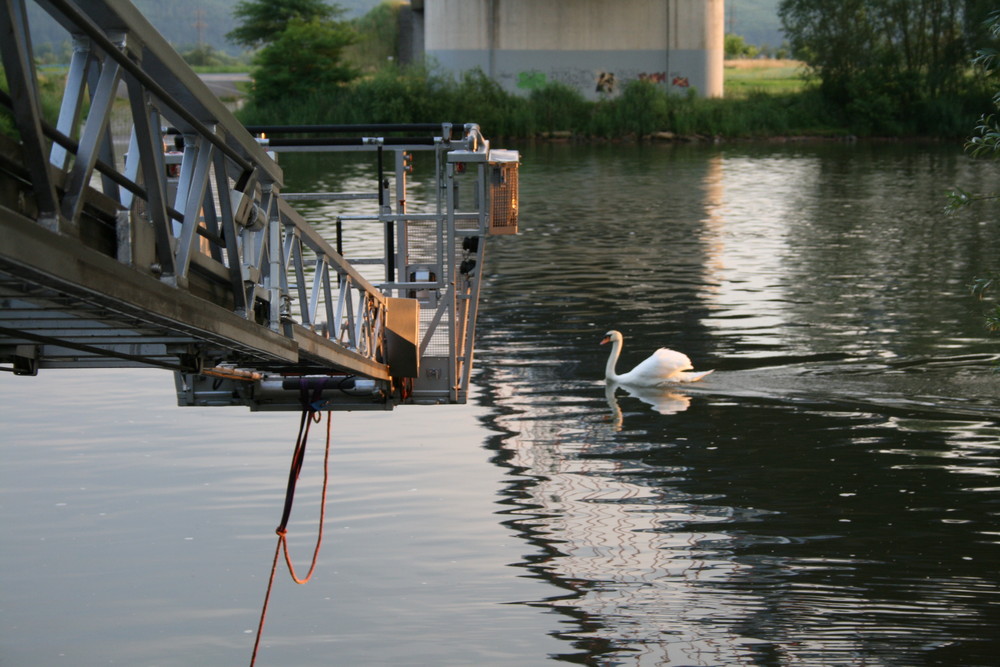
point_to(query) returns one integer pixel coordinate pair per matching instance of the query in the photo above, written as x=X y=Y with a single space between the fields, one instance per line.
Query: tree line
x=893 y=66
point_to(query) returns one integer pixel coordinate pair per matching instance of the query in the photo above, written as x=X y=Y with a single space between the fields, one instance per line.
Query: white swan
x=663 y=367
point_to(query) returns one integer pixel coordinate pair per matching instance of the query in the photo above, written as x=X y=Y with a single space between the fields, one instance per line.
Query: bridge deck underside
x=74 y=307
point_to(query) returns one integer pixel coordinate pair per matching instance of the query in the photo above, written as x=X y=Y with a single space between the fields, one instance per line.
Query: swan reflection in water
x=665 y=400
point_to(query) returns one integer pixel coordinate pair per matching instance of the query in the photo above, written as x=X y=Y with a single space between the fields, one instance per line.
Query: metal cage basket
x=503 y=170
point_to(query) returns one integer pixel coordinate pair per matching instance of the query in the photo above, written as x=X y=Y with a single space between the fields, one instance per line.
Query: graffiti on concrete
x=531 y=80
x=604 y=83
x=655 y=77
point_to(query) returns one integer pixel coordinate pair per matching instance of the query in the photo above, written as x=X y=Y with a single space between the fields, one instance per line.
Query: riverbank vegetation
x=763 y=97
x=759 y=103
x=894 y=68
x=865 y=72
x=898 y=73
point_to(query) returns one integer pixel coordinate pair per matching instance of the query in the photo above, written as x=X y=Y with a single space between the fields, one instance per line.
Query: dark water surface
x=830 y=495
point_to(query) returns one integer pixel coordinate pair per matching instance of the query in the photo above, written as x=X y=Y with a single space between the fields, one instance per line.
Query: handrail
x=122 y=15
x=215 y=206
x=188 y=208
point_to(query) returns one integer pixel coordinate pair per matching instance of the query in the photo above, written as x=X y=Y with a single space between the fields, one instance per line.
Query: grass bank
x=763 y=99
x=762 y=103
x=745 y=77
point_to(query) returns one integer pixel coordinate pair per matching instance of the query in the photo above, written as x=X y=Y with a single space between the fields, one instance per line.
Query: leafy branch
x=986 y=137
x=959 y=198
x=979 y=288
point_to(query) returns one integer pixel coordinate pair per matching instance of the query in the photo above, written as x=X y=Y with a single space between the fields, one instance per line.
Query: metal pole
x=385 y=210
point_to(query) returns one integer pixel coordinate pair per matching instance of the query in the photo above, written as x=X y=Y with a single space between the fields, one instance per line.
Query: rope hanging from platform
x=309 y=415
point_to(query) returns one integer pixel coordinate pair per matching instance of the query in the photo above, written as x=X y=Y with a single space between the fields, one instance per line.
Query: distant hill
x=184 y=23
x=756 y=21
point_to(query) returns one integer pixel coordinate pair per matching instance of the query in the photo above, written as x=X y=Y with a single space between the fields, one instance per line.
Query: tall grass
x=743 y=77
x=397 y=94
x=416 y=94
x=406 y=95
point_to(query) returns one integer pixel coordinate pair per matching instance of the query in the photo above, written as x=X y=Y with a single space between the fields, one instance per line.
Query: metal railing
x=186 y=197
x=211 y=208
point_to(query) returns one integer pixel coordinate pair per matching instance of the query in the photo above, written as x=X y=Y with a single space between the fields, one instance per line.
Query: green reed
x=640 y=110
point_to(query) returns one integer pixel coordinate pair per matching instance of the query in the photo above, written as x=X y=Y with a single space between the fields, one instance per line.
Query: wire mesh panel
x=425 y=265
x=502 y=185
x=422 y=242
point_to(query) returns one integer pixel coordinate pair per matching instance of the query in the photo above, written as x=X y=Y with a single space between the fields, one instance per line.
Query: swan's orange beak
x=606 y=339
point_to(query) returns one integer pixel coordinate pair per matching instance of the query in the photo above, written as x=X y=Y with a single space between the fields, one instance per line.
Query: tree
x=305 y=59
x=880 y=59
x=263 y=21
x=301 y=47
x=737 y=47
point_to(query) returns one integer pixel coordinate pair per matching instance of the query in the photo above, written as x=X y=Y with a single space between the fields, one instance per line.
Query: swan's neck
x=609 y=370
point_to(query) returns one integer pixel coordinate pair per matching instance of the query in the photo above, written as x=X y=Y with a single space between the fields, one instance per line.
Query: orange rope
x=282 y=530
x=263 y=611
x=282 y=533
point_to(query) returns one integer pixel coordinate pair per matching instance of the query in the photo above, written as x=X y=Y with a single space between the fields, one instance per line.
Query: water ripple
x=817 y=500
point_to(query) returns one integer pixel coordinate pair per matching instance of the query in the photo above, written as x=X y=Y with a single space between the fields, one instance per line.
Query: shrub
x=417 y=94
x=556 y=107
x=641 y=109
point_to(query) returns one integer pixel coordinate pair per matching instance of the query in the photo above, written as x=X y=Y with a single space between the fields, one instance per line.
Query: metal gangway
x=168 y=240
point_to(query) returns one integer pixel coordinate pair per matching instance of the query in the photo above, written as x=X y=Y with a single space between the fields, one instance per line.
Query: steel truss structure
x=170 y=242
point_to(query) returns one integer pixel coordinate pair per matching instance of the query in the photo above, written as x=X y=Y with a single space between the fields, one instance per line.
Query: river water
x=829 y=495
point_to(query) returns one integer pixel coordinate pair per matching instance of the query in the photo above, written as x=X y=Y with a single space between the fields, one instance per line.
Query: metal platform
x=167 y=241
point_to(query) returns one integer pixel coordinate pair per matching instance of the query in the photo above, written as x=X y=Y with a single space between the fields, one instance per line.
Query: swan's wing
x=671 y=362
x=659 y=366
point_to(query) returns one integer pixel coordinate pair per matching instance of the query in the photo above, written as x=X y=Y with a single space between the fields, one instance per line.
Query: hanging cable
x=309 y=414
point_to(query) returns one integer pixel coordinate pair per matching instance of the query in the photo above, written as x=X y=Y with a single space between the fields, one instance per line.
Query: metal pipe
x=345 y=129
x=349 y=141
x=389 y=226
